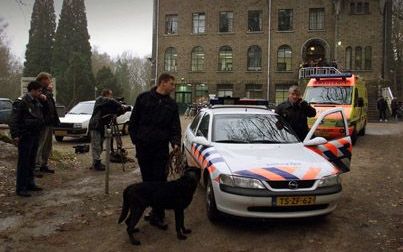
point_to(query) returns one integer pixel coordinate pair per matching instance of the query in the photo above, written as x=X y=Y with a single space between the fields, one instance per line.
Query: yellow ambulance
x=344 y=90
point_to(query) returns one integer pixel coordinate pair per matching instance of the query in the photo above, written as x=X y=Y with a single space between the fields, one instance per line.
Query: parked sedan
x=75 y=122
x=5 y=110
x=254 y=165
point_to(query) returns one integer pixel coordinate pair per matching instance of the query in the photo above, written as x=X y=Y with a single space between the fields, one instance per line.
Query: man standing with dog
x=154 y=124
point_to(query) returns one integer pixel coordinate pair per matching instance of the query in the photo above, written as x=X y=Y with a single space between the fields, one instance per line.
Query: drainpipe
x=269 y=52
x=156 y=44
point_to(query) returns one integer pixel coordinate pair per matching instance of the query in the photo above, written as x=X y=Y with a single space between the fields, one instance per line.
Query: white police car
x=255 y=166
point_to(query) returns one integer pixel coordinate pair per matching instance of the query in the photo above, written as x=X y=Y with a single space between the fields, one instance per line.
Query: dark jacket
x=296 y=115
x=26 y=117
x=381 y=104
x=104 y=106
x=49 y=109
x=155 y=120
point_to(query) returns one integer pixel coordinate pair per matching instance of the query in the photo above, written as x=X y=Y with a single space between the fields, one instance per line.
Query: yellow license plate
x=60 y=132
x=295 y=201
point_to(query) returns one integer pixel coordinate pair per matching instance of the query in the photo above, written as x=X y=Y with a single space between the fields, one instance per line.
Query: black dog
x=176 y=195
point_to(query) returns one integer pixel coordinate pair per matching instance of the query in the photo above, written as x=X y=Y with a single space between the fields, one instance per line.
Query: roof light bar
x=331 y=76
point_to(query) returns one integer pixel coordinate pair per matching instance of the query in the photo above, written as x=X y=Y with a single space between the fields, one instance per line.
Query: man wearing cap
x=26 y=124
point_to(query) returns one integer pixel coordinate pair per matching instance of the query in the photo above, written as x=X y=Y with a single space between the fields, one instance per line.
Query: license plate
x=60 y=132
x=295 y=201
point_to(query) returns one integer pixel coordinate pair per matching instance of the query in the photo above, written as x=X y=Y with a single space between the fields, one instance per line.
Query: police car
x=254 y=165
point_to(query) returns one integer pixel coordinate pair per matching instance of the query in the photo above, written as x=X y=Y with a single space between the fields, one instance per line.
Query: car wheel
x=212 y=212
x=87 y=138
x=362 y=131
x=59 y=138
x=354 y=136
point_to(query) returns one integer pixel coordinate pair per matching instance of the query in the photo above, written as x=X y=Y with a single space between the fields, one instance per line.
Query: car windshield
x=329 y=95
x=83 y=108
x=252 y=128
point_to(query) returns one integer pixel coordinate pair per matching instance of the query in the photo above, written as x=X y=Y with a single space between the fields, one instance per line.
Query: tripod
x=118 y=155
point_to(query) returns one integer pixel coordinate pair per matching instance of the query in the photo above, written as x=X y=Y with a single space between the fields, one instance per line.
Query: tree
x=10 y=69
x=72 y=46
x=99 y=60
x=38 y=56
x=397 y=44
x=106 y=79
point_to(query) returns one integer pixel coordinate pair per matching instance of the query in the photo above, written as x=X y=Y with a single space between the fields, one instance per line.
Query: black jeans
x=27 y=149
x=382 y=114
x=153 y=160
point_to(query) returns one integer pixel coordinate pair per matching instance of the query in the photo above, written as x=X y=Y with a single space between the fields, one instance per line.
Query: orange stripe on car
x=288 y=169
x=311 y=174
x=332 y=148
x=267 y=174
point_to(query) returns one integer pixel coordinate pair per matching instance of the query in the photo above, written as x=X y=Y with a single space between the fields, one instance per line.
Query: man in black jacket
x=154 y=124
x=105 y=107
x=51 y=120
x=296 y=111
x=25 y=125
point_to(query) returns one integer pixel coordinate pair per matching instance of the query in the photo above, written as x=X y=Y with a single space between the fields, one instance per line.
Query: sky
x=114 y=26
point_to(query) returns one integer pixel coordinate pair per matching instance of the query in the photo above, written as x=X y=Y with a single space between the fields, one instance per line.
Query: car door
x=338 y=151
x=5 y=111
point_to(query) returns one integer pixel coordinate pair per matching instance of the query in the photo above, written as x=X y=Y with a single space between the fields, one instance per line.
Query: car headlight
x=329 y=181
x=243 y=182
x=77 y=125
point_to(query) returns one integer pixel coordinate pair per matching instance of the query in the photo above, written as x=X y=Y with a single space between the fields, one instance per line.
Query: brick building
x=256 y=48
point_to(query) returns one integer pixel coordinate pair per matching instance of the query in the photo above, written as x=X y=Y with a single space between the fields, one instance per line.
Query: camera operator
x=104 y=109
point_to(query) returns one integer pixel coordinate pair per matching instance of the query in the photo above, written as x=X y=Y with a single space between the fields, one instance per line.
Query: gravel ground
x=74 y=214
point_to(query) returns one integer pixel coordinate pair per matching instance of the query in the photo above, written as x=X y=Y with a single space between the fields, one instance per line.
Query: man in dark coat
x=296 y=111
x=51 y=120
x=154 y=124
x=105 y=107
x=382 y=106
x=25 y=125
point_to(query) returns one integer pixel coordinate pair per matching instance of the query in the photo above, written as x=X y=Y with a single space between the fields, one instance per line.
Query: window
x=199 y=23
x=170 y=59
x=358 y=58
x=284 y=56
x=254 y=91
x=171 y=24
x=281 y=93
x=368 y=58
x=226 y=21
x=195 y=122
x=317 y=19
x=349 y=57
x=201 y=91
x=225 y=59
x=197 y=59
x=255 y=22
x=285 y=20
x=225 y=90
x=5 y=105
x=254 y=58
x=203 y=127
x=359 y=7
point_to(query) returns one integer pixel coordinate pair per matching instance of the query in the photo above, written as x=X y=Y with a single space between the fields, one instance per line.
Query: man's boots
x=98 y=166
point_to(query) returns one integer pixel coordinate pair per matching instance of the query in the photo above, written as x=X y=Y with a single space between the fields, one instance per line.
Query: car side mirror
x=201 y=140
x=315 y=141
x=360 y=102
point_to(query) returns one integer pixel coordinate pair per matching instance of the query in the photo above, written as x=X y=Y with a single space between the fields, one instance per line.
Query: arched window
x=225 y=59
x=358 y=58
x=254 y=58
x=197 y=59
x=368 y=58
x=349 y=58
x=284 y=56
x=170 y=59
